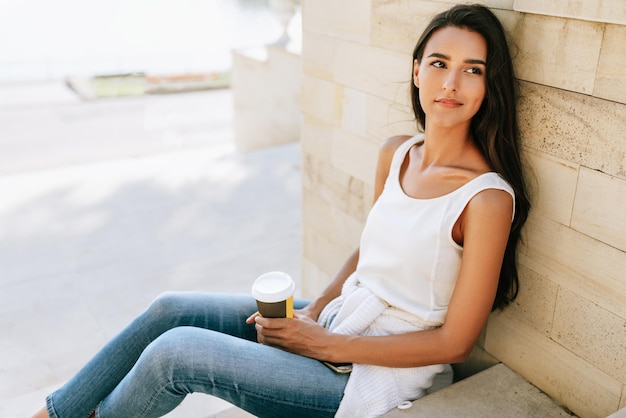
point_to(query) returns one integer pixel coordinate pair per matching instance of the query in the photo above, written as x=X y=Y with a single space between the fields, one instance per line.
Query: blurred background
x=48 y=40
x=111 y=193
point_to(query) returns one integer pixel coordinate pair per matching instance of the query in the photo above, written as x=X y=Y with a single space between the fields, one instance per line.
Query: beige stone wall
x=567 y=331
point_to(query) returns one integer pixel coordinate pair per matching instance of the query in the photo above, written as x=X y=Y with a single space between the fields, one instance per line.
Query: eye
x=475 y=70
x=438 y=64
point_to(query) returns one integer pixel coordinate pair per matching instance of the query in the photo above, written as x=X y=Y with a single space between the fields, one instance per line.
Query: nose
x=450 y=83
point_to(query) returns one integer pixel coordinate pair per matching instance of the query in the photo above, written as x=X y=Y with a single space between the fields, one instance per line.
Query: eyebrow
x=467 y=61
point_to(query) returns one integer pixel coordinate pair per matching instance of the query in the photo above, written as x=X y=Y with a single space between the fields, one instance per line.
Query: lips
x=449 y=102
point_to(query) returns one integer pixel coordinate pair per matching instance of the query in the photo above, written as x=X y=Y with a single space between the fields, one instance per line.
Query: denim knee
x=158 y=381
x=166 y=356
x=165 y=304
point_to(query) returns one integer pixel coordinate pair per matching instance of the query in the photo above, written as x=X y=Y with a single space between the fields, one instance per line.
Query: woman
x=436 y=256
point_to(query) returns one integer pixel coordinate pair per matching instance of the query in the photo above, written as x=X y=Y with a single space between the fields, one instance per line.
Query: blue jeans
x=197 y=342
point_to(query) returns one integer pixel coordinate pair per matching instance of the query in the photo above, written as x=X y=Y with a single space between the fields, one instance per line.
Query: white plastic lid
x=273 y=286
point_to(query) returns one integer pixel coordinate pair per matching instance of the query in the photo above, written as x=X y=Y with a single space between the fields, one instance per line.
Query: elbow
x=457 y=345
x=459 y=356
x=460 y=352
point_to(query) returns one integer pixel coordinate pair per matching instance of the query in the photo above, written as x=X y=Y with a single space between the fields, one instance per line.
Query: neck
x=446 y=146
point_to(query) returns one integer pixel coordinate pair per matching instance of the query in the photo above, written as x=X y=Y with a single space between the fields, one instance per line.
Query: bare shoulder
x=385 y=155
x=492 y=202
x=391 y=144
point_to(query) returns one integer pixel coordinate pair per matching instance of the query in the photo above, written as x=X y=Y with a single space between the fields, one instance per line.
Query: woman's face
x=451 y=77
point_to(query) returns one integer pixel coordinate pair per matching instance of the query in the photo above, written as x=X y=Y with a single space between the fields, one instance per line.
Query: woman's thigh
x=262 y=380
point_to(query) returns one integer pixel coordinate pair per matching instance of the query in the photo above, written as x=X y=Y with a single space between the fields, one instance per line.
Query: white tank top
x=407 y=254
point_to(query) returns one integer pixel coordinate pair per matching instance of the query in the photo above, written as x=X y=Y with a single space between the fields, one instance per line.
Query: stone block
x=558 y=52
x=317 y=279
x=327 y=251
x=610 y=76
x=577 y=128
x=316 y=138
x=368 y=199
x=355 y=156
x=591 y=333
x=315 y=212
x=322 y=100
x=553 y=185
x=336 y=187
x=600 y=208
x=570 y=380
x=498 y=4
x=536 y=300
x=371 y=70
x=317 y=55
x=389 y=118
x=354 y=112
x=347 y=19
x=347 y=232
x=266 y=93
x=596 y=10
x=327 y=255
x=511 y=21
x=398 y=24
x=576 y=262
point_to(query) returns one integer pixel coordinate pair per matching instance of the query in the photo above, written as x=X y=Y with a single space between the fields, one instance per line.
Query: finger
x=251 y=318
x=303 y=316
x=273 y=323
x=259 y=333
x=264 y=331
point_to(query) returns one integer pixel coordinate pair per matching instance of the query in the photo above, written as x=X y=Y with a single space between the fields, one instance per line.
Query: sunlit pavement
x=106 y=204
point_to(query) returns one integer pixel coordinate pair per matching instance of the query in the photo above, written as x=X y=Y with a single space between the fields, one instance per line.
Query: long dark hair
x=494 y=128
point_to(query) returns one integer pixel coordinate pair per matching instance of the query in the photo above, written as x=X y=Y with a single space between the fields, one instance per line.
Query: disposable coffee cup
x=273 y=292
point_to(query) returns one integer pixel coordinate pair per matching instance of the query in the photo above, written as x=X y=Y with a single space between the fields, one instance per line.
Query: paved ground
x=104 y=205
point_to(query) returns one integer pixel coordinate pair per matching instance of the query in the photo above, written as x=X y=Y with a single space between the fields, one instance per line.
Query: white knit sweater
x=373 y=390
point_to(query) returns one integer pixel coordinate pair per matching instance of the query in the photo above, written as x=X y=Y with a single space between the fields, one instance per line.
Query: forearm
x=421 y=348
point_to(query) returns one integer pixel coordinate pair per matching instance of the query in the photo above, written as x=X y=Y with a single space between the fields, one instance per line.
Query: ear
x=416 y=70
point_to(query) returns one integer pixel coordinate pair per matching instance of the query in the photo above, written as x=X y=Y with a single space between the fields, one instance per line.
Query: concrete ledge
x=496 y=392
